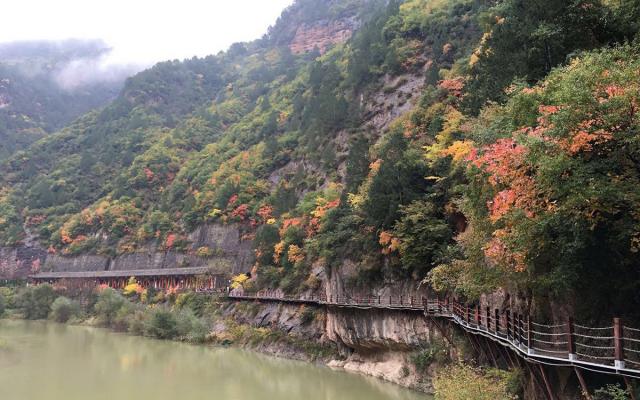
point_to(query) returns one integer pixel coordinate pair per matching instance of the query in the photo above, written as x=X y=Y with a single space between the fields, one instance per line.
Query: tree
x=35 y=301
x=424 y=235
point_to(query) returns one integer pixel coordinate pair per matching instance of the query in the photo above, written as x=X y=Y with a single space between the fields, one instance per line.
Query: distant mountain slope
x=45 y=85
x=372 y=138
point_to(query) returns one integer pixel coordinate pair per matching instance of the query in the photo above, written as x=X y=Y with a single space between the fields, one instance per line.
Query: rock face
x=376 y=343
x=79 y=263
x=322 y=34
x=287 y=318
x=230 y=255
x=397 y=97
x=368 y=331
x=18 y=263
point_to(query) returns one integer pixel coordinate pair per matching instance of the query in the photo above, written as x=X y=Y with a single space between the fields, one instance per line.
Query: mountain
x=476 y=144
x=46 y=85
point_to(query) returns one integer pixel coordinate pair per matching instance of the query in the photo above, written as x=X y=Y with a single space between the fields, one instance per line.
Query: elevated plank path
x=613 y=349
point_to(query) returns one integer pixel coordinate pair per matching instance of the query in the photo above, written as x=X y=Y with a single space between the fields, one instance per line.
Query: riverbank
x=394 y=347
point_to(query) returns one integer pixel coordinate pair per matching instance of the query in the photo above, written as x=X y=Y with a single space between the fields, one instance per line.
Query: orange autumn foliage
x=170 y=240
x=289 y=222
x=240 y=211
x=265 y=212
x=388 y=242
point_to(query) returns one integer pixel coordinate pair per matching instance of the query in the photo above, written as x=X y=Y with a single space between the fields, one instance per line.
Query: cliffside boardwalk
x=613 y=349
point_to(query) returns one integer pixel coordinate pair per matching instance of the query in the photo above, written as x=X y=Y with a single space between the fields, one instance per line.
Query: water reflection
x=55 y=362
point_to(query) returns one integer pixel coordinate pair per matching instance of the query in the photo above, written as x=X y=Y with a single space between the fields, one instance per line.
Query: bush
x=611 y=392
x=9 y=295
x=307 y=315
x=3 y=304
x=64 y=309
x=196 y=302
x=35 y=301
x=162 y=325
x=462 y=381
x=108 y=304
x=121 y=321
x=137 y=321
x=190 y=327
x=435 y=352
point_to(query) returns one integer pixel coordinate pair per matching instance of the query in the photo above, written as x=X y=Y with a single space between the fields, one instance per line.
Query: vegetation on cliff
x=511 y=163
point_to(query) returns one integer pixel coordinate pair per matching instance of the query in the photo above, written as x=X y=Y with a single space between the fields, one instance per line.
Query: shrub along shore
x=184 y=316
x=135 y=310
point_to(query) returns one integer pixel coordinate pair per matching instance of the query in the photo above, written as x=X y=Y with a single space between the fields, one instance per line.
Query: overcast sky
x=142 y=31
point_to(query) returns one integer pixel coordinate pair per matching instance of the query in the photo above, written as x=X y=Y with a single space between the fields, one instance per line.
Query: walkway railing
x=613 y=349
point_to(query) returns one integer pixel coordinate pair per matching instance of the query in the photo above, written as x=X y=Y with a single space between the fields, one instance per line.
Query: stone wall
x=58 y=263
x=230 y=255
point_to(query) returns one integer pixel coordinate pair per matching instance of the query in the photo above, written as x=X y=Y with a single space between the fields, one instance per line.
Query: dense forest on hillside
x=517 y=164
x=41 y=92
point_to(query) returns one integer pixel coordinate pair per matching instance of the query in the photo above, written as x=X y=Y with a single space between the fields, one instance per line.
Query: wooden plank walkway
x=613 y=349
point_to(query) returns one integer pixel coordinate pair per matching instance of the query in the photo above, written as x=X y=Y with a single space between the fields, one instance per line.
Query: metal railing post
x=488 y=318
x=618 y=343
x=530 y=339
x=571 y=344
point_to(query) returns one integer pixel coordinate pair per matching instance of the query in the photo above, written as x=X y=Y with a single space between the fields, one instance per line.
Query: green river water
x=47 y=361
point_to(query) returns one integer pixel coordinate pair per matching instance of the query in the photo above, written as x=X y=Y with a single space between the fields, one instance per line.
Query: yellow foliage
x=133 y=287
x=465 y=382
x=295 y=254
x=239 y=281
x=355 y=200
x=204 y=251
x=459 y=150
x=452 y=124
x=277 y=251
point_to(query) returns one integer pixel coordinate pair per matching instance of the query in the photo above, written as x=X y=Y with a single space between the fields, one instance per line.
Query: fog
x=142 y=31
x=114 y=39
x=81 y=72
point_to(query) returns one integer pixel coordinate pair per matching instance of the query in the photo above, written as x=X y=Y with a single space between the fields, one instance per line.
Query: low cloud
x=81 y=72
x=72 y=64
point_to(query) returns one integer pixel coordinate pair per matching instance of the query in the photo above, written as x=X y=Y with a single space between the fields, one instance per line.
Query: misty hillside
x=476 y=144
x=46 y=85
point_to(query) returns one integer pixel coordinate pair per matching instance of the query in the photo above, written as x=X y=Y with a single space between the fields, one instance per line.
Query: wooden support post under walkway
x=583 y=384
x=546 y=383
x=627 y=382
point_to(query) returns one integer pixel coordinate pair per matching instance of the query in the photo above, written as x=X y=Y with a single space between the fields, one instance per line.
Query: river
x=47 y=361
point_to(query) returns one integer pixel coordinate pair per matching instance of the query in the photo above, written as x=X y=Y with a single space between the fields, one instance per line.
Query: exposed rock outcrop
x=323 y=34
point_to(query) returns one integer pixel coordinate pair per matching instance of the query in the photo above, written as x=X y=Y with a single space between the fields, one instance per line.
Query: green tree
x=63 y=309
x=34 y=302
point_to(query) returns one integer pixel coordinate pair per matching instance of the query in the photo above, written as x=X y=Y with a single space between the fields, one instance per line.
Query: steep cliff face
x=375 y=343
x=372 y=331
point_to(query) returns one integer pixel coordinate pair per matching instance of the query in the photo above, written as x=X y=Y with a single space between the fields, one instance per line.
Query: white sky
x=142 y=31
